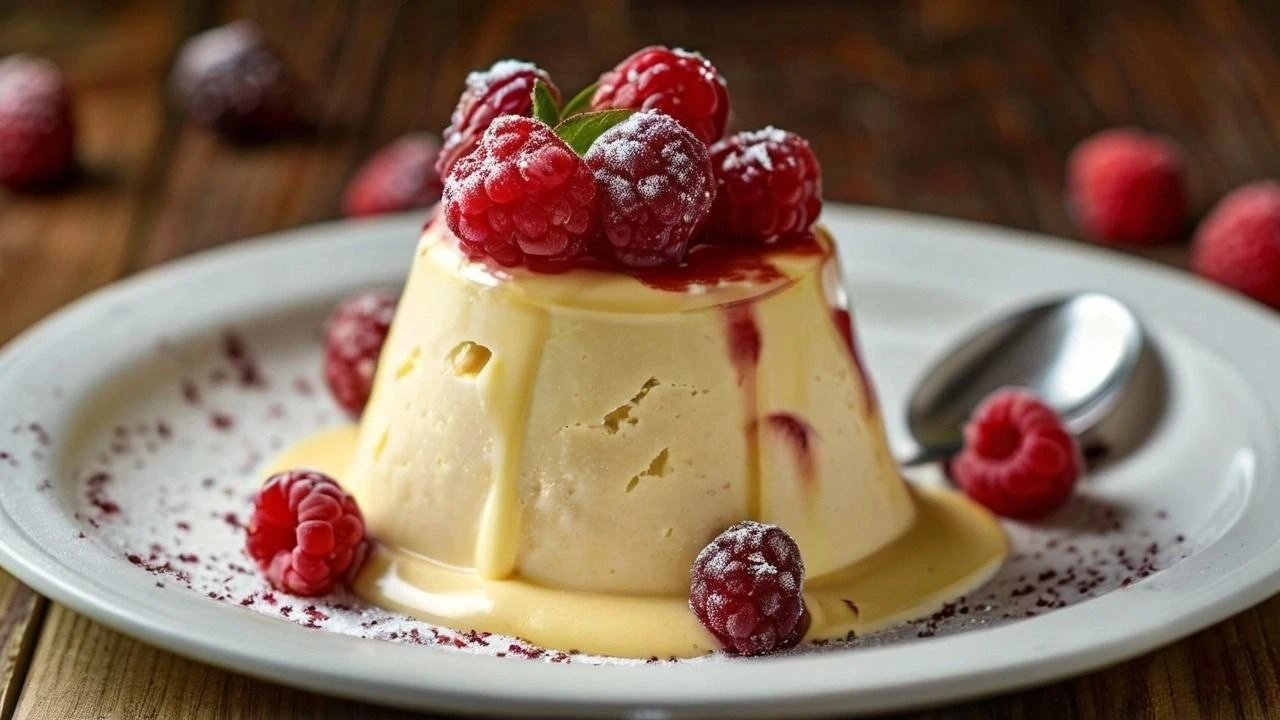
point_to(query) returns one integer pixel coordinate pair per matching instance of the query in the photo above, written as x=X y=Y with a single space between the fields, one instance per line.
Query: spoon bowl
x=1086 y=355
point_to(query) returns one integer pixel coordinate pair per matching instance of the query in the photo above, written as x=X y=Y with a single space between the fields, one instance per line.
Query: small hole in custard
x=467 y=359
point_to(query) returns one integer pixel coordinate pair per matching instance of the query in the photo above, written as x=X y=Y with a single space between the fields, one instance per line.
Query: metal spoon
x=1085 y=355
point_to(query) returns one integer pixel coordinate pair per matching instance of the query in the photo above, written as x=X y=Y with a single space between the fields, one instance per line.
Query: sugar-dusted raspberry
x=306 y=534
x=748 y=589
x=401 y=176
x=352 y=344
x=230 y=80
x=655 y=186
x=504 y=89
x=682 y=84
x=521 y=197
x=1126 y=187
x=37 y=133
x=1019 y=460
x=768 y=184
x=1238 y=244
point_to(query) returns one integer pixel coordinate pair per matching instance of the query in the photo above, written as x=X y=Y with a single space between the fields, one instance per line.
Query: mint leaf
x=580 y=101
x=582 y=129
x=544 y=105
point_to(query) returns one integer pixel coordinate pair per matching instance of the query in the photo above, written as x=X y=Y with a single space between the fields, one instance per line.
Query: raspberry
x=37 y=133
x=231 y=81
x=504 y=89
x=1019 y=460
x=768 y=184
x=401 y=176
x=306 y=534
x=682 y=84
x=353 y=341
x=655 y=186
x=1238 y=244
x=1125 y=187
x=522 y=195
x=748 y=589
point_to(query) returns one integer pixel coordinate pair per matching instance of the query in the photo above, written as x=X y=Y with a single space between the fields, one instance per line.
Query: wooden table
x=962 y=108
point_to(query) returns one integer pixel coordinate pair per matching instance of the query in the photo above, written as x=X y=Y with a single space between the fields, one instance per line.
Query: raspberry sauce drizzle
x=744 y=345
x=800 y=435
x=704 y=265
x=844 y=324
x=716 y=264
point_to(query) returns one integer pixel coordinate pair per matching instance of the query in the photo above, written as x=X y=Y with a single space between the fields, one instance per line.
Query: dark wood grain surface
x=965 y=108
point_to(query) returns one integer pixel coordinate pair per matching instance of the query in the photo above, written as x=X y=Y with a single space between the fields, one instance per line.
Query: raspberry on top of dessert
x=625 y=181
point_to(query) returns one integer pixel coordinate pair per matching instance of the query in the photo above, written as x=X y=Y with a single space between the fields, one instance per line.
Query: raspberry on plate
x=748 y=589
x=1238 y=244
x=768 y=184
x=353 y=342
x=37 y=132
x=522 y=195
x=230 y=80
x=401 y=176
x=504 y=89
x=1019 y=460
x=306 y=534
x=682 y=84
x=1126 y=187
x=655 y=186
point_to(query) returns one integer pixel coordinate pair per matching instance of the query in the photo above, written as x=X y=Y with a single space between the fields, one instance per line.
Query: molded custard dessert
x=620 y=408
x=544 y=455
x=592 y=432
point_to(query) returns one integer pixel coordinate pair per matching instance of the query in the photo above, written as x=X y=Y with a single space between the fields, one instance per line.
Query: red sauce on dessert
x=800 y=435
x=744 y=345
x=716 y=264
x=703 y=265
x=744 y=340
x=844 y=323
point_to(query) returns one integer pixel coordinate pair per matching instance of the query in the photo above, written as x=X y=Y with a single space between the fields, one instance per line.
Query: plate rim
x=22 y=555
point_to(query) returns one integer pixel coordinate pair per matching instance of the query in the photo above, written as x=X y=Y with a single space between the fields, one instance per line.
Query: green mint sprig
x=581 y=101
x=544 y=104
x=577 y=128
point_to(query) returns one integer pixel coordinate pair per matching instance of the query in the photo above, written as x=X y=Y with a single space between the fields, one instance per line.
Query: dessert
x=587 y=381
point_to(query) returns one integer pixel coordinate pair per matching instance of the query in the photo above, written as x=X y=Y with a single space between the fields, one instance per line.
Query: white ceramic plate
x=126 y=412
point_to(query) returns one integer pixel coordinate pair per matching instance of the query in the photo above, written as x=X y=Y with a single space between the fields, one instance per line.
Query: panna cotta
x=544 y=455
x=590 y=431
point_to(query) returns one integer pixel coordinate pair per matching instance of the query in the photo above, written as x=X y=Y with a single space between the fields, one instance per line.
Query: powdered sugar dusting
x=216 y=46
x=736 y=542
x=654 y=186
x=755 y=149
x=32 y=91
x=504 y=89
x=479 y=81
